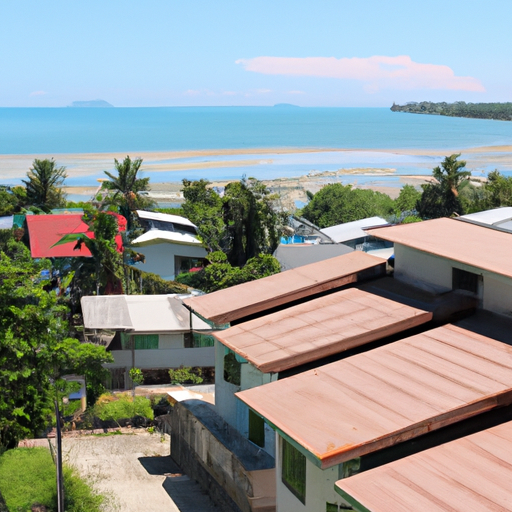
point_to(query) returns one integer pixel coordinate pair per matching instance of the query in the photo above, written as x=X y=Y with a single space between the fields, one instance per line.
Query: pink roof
x=224 y=306
x=478 y=246
x=387 y=395
x=46 y=230
x=319 y=328
x=469 y=474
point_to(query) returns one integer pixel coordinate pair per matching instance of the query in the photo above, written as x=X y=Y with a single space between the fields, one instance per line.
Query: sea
x=134 y=131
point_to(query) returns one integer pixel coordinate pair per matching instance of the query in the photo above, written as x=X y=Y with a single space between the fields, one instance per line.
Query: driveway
x=135 y=472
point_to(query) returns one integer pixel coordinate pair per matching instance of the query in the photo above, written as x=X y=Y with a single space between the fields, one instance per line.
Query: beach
x=388 y=169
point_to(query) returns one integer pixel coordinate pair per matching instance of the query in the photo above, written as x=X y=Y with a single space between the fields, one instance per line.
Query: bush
x=27 y=476
x=122 y=406
x=185 y=375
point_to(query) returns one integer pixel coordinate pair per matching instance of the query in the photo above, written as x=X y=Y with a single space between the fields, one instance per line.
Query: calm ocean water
x=90 y=130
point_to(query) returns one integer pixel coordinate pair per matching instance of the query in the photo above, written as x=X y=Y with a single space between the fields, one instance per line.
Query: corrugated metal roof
x=494 y=217
x=353 y=230
x=319 y=328
x=165 y=217
x=239 y=301
x=138 y=313
x=478 y=246
x=154 y=235
x=469 y=474
x=297 y=255
x=387 y=395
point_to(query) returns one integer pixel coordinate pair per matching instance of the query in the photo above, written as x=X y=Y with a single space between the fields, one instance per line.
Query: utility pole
x=60 y=483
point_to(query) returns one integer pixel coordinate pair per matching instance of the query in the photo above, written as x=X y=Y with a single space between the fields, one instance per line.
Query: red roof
x=46 y=230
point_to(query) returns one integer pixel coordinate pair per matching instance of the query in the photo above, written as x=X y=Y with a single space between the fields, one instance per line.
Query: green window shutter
x=256 y=429
x=146 y=341
x=293 y=471
x=203 y=340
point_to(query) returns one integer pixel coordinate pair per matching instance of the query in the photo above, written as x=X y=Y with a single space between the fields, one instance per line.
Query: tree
x=441 y=198
x=44 y=184
x=243 y=223
x=127 y=187
x=498 y=190
x=407 y=199
x=35 y=350
x=336 y=204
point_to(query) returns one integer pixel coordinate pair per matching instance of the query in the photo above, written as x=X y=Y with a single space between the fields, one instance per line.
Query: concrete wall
x=163 y=358
x=434 y=274
x=319 y=488
x=170 y=341
x=230 y=408
x=160 y=257
x=237 y=475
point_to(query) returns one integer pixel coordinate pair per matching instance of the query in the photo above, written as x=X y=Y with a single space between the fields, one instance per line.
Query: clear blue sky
x=234 y=52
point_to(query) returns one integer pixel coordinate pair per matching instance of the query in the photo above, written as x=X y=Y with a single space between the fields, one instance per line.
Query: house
x=471 y=473
x=448 y=254
x=170 y=244
x=354 y=233
x=46 y=230
x=329 y=418
x=152 y=332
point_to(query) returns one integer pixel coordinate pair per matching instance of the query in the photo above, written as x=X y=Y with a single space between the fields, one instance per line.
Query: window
x=293 y=471
x=463 y=280
x=256 y=429
x=142 y=341
x=232 y=368
x=203 y=340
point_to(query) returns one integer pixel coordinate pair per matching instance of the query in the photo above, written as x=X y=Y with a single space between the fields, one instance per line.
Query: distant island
x=285 y=105
x=499 y=111
x=91 y=104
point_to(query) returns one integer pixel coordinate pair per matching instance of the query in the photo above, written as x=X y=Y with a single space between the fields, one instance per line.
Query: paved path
x=136 y=473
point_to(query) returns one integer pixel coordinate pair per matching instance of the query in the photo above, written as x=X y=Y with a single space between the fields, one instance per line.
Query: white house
x=170 y=244
x=153 y=333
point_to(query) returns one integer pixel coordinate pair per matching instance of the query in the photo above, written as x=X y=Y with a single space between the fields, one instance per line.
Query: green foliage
x=34 y=346
x=27 y=476
x=152 y=284
x=122 y=406
x=170 y=211
x=8 y=202
x=243 y=223
x=336 y=204
x=502 y=111
x=44 y=184
x=498 y=190
x=125 y=188
x=441 y=198
x=137 y=376
x=221 y=274
x=185 y=375
x=407 y=199
x=203 y=207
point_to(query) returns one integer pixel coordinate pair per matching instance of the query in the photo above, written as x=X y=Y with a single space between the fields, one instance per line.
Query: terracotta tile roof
x=387 y=395
x=319 y=328
x=478 y=246
x=472 y=473
x=246 y=299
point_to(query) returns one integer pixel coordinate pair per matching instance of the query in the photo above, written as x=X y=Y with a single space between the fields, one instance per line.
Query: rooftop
x=165 y=217
x=297 y=255
x=155 y=235
x=379 y=398
x=472 y=473
x=468 y=243
x=245 y=299
x=353 y=230
x=138 y=313
x=319 y=328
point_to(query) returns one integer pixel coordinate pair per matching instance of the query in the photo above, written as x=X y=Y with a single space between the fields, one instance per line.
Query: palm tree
x=44 y=184
x=449 y=175
x=127 y=185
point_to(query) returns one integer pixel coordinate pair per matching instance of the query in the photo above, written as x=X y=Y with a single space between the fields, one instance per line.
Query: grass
x=27 y=476
x=122 y=406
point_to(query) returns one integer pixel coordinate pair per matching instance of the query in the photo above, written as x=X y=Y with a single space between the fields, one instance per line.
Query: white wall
x=170 y=341
x=319 y=487
x=160 y=257
x=230 y=408
x=434 y=274
x=164 y=358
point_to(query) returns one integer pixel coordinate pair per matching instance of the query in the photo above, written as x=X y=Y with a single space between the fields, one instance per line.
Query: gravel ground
x=135 y=472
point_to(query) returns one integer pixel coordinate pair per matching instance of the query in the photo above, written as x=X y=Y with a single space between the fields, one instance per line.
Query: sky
x=324 y=53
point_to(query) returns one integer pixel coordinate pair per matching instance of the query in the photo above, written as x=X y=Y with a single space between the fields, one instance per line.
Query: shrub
x=27 y=476
x=185 y=375
x=122 y=406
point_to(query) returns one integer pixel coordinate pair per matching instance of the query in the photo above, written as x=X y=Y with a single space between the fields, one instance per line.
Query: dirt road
x=136 y=473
